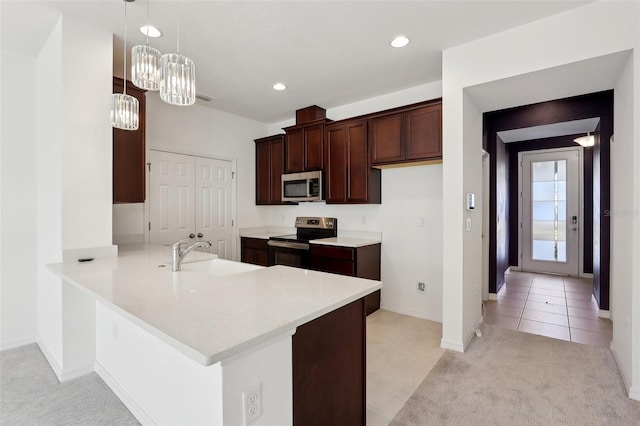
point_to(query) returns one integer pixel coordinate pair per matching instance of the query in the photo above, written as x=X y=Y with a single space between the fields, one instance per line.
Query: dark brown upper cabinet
x=304 y=147
x=408 y=134
x=129 y=153
x=349 y=178
x=269 y=168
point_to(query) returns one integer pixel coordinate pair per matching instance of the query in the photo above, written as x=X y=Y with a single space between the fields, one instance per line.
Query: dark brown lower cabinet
x=329 y=369
x=361 y=262
x=254 y=250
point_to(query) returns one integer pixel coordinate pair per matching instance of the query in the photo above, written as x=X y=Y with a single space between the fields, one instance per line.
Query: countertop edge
x=199 y=357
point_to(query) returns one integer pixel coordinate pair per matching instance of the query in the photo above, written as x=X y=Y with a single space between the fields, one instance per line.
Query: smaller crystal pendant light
x=124 y=108
x=145 y=64
x=177 y=77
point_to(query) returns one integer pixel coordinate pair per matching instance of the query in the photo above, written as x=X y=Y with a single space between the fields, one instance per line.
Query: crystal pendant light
x=177 y=76
x=145 y=64
x=124 y=108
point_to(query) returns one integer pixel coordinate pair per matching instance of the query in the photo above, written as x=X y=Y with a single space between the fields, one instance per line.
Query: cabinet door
x=387 y=139
x=423 y=133
x=336 y=170
x=276 y=155
x=263 y=173
x=313 y=143
x=358 y=162
x=294 y=151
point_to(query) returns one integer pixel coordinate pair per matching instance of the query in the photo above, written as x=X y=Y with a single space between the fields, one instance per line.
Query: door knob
x=192 y=235
x=200 y=235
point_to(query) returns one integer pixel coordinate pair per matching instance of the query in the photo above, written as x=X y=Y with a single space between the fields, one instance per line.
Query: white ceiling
x=328 y=53
x=564 y=128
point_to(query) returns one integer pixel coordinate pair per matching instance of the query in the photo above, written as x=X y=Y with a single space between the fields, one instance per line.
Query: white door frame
x=486 y=170
x=580 y=151
x=234 y=188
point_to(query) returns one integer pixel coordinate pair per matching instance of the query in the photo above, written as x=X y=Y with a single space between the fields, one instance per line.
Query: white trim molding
x=135 y=408
x=16 y=344
x=452 y=345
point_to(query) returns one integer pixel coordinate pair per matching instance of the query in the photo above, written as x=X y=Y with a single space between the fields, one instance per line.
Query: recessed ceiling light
x=153 y=31
x=400 y=41
x=279 y=86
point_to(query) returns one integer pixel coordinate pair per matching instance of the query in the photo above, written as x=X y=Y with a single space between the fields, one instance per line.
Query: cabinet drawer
x=343 y=253
x=333 y=266
x=254 y=243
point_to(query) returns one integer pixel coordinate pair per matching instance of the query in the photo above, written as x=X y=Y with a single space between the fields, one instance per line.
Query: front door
x=550 y=211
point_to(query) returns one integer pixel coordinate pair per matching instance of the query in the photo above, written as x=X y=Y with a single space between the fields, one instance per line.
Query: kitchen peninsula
x=191 y=347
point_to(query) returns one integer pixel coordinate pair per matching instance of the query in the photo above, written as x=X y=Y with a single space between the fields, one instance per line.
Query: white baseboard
x=493 y=296
x=5 y=346
x=53 y=363
x=471 y=334
x=78 y=372
x=399 y=309
x=625 y=379
x=634 y=393
x=137 y=411
x=453 y=345
x=603 y=314
x=60 y=373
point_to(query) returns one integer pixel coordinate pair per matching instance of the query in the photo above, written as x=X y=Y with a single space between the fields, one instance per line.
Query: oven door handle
x=287 y=244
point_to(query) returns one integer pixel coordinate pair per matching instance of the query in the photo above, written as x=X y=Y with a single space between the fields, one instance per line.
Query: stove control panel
x=317 y=222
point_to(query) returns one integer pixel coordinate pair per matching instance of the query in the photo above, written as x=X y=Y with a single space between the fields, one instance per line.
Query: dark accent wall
x=575 y=108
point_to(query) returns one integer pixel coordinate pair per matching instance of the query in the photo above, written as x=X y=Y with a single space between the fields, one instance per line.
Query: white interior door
x=213 y=205
x=550 y=211
x=171 y=197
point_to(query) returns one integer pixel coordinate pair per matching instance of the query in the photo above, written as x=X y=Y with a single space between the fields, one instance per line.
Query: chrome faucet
x=178 y=253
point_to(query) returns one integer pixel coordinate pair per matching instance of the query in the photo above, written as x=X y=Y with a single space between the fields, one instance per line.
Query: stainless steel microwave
x=305 y=186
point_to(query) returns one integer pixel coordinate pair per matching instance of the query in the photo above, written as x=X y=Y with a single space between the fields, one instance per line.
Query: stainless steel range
x=293 y=250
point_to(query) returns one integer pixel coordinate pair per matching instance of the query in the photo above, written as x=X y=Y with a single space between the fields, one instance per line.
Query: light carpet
x=513 y=378
x=30 y=394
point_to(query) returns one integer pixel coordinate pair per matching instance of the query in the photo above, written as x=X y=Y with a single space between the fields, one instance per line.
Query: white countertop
x=266 y=232
x=345 y=242
x=208 y=311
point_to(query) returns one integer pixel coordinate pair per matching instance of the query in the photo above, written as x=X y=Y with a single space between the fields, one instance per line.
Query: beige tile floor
x=401 y=350
x=550 y=305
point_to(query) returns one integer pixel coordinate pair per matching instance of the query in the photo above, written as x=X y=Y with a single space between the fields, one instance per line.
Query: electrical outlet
x=421 y=288
x=422 y=221
x=251 y=404
x=475 y=290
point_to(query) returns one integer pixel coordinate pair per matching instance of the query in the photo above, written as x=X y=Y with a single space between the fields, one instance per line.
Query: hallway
x=549 y=305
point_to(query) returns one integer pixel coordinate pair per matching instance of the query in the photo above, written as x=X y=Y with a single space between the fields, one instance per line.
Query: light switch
x=468 y=224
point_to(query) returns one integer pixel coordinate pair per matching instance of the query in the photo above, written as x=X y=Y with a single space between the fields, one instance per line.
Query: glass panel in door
x=548 y=221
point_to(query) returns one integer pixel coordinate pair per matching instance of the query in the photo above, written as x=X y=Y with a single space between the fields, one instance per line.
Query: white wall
x=155 y=381
x=87 y=144
x=548 y=44
x=72 y=169
x=18 y=282
x=622 y=216
x=411 y=253
x=204 y=131
x=48 y=194
x=128 y=223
